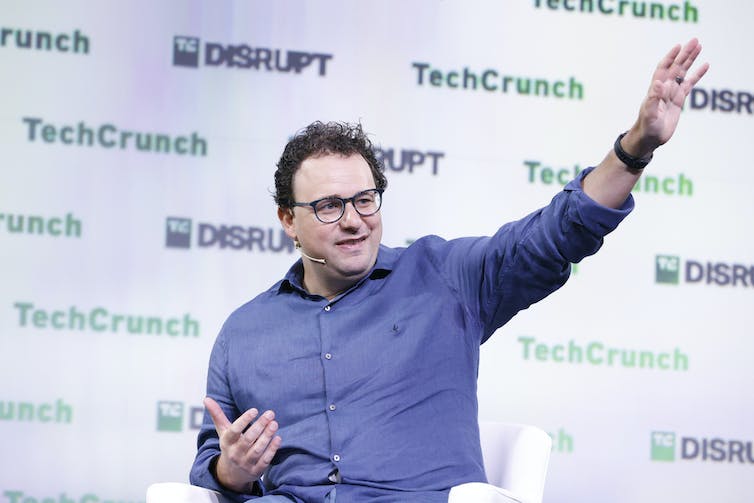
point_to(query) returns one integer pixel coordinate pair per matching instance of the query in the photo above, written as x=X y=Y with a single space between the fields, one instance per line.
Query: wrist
x=224 y=476
x=630 y=153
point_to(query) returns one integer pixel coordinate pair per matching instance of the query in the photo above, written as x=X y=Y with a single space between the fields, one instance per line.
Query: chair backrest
x=516 y=458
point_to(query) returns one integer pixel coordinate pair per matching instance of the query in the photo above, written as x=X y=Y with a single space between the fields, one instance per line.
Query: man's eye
x=329 y=205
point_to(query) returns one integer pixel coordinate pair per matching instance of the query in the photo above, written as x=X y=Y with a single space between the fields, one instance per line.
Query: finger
x=687 y=57
x=261 y=443
x=251 y=433
x=685 y=51
x=264 y=461
x=216 y=413
x=667 y=61
x=238 y=426
x=691 y=81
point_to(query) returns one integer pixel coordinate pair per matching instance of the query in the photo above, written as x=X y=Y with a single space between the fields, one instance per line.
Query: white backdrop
x=640 y=367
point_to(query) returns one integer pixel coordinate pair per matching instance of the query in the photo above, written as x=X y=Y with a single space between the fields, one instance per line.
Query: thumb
x=218 y=416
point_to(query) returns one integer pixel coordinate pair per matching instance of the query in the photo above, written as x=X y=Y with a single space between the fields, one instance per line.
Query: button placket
x=326 y=324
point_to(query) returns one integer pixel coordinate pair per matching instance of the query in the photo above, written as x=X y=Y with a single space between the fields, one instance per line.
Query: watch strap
x=626 y=158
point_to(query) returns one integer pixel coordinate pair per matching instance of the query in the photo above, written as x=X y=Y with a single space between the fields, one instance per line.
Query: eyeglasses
x=331 y=209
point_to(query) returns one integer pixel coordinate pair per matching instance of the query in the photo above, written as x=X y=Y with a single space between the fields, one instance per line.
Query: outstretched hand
x=611 y=182
x=672 y=81
x=246 y=448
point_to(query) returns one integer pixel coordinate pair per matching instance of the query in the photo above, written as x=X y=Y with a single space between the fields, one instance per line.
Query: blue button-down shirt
x=380 y=382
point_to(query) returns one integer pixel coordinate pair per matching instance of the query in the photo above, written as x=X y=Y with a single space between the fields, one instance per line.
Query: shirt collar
x=293 y=279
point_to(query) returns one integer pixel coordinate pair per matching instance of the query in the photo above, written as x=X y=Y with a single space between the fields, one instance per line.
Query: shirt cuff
x=592 y=214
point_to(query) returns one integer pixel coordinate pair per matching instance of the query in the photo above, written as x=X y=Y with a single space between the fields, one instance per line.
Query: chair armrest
x=176 y=492
x=516 y=458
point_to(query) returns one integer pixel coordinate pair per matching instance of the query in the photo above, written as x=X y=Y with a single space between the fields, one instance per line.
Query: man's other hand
x=246 y=447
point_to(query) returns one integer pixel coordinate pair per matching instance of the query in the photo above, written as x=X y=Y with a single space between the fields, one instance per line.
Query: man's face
x=349 y=245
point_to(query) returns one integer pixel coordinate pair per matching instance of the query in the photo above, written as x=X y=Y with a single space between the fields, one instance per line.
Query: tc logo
x=169 y=416
x=178 y=232
x=663 y=446
x=667 y=269
x=185 y=51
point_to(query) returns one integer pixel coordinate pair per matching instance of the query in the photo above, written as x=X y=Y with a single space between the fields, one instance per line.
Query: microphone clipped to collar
x=297 y=244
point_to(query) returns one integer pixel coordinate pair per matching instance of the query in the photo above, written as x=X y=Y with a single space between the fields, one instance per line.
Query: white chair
x=515 y=461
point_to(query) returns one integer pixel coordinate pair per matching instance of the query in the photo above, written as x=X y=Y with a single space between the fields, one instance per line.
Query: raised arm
x=611 y=182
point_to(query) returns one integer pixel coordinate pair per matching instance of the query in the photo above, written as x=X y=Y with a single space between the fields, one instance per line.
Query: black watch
x=627 y=159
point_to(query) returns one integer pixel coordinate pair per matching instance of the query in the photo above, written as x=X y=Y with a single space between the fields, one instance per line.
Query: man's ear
x=285 y=215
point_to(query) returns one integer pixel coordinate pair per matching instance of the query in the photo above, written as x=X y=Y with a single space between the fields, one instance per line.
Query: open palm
x=671 y=83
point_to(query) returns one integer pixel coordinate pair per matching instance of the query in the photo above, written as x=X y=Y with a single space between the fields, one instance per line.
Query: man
x=366 y=357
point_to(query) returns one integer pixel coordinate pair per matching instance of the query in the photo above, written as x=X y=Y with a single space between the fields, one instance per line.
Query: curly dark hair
x=318 y=139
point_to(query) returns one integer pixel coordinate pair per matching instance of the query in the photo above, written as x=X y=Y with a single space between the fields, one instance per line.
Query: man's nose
x=351 y=217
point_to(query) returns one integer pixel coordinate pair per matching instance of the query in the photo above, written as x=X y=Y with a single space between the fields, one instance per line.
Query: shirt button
x=336 y=457
x=328 y=356
x=332 y=406
x=327 y=308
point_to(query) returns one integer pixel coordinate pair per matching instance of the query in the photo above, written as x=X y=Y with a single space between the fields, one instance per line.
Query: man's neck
x=326 y=289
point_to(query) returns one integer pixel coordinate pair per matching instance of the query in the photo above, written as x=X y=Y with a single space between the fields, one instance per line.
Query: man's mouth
x=351 y=242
